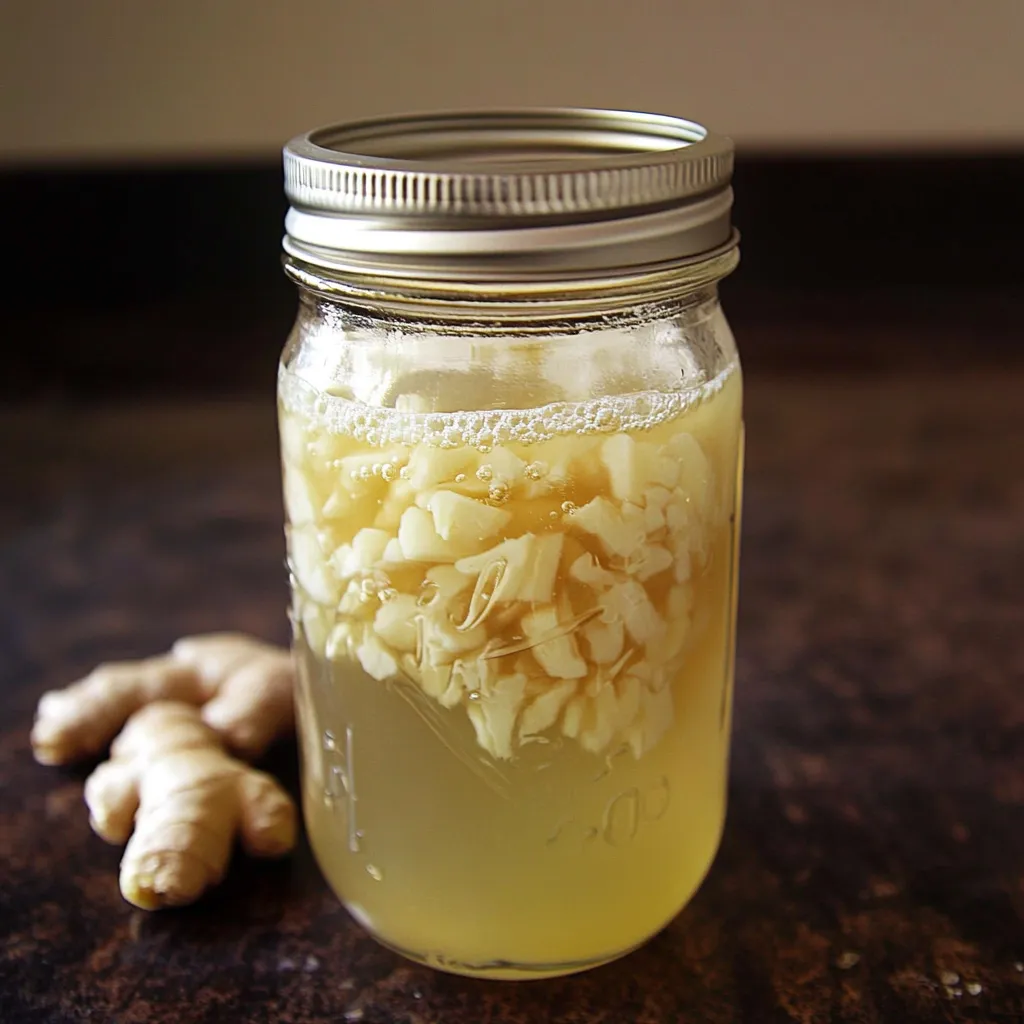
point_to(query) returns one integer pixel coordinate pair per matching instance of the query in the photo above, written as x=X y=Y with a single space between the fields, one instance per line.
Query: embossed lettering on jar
x=511 y=431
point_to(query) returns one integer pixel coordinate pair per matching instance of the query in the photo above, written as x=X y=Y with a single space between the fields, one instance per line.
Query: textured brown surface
x=873 y=863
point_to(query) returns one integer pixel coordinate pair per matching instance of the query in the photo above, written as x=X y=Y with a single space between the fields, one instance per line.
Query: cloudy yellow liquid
x=507 y=853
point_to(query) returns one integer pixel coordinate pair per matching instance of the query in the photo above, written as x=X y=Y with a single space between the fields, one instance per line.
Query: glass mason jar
x=510 y=417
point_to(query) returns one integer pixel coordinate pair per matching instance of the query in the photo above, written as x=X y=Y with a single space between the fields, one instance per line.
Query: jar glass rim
x=488 y=307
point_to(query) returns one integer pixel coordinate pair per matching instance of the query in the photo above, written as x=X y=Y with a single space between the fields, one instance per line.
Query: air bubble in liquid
x=568 y=507
x=536 y=470
x=388 y=472
x=498 y=492
x=485 y=474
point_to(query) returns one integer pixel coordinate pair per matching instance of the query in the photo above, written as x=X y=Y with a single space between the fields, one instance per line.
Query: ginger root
x=169 y=777
x=244 y=687
x=169 y=784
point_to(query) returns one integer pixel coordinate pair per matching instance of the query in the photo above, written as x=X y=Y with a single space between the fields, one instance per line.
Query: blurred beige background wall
x=110 y=79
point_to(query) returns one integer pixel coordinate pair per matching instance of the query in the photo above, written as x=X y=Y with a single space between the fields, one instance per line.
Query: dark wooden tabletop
x=872 y=868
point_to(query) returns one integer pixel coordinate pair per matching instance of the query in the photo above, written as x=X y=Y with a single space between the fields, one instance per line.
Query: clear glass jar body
x=513 y=554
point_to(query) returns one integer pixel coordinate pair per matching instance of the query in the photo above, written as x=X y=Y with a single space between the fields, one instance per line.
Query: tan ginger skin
x=171 y=783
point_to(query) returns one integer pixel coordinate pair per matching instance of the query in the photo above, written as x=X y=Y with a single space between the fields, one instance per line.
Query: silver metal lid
x=507 y=195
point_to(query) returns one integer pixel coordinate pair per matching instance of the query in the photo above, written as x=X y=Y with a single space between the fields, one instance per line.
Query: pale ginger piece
x=80 y=720
x=182 y=798
x=251 y=686
x=245 y=686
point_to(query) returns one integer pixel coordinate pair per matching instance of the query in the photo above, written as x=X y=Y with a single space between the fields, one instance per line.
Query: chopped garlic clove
x=603 y=721
x=678 y=615
x=655 y=500
x=448 y=581
x=629 y=602
x=633 y=516
x=505 y=466
x=399 y=497
x=430 y=467
x=634 y=466
x=294 y=440
x=339 y=642
x=376 y=659
x=554 y=644
x=602 y=519
x=618 y=453
x=656 y=714
x=677 y=513
x=442 y=641
x=367 y=548
x=508 y=562
x=453 y=693
x=649 y=561
x=316 y=622
x=694 y=469
x=420 y=542
x=395 y=623
x=299 y=500
x=392 y=553
x=352 y=602
x=308 y=565
x=538 y=580
x=663 y=469
x=463 y=520
x=338 y=504
x=604 y=640
x=586 y=569
x=572 y=719
x=543 y=711
x=494 y=715
x=436 y=680
x=469 y=675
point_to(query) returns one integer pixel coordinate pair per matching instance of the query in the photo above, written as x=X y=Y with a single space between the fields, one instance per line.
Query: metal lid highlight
x=507 y=195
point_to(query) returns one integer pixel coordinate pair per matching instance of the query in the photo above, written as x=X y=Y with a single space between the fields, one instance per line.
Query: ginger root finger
x=113 y=791
x=193 y=799
x=245 y=685
x=253 y=682
x=262 y=813
x=80 y=720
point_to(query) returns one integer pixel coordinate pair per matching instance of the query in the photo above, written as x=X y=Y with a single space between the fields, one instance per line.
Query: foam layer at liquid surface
x=378 y=426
